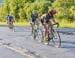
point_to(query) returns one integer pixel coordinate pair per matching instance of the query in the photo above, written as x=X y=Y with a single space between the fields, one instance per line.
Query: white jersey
x=43 y=16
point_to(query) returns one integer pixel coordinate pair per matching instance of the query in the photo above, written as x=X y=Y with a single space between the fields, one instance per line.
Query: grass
x=63 y=24
x=22 y=24
x=16 y=23
x=66 y=24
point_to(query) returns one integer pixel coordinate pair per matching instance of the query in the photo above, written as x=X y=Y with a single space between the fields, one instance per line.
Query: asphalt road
x=20 y=44
x=7 y=53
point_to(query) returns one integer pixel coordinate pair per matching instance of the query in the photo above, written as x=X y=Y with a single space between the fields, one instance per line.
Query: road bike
x=37 y=32
x=53 y=36
x=10 y=25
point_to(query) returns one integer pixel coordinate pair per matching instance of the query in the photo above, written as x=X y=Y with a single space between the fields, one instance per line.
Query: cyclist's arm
x=54 y=20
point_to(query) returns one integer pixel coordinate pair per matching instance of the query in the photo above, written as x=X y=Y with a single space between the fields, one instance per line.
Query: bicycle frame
x=37 y=33
x=55 y=36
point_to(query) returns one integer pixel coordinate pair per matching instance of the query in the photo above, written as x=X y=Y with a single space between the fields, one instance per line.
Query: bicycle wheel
x=38 y=35
x=56 y=40
x=35 y=34
x=10 y=26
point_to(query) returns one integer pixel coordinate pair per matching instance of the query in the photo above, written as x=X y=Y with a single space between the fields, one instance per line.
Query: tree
x=63 y=8
x=21 y=9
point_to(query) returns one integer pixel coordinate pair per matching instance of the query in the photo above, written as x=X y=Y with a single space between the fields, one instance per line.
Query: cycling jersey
x=9 y=18
x=34 y=17
x=45 y=18
x=48 y=17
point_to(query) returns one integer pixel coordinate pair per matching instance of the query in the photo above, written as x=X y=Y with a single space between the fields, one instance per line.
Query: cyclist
x=46 y=22
x=34 y=19
x=10 y=21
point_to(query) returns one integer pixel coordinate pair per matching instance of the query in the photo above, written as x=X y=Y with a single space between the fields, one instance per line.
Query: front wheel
x=56 y=40
x=10 y=25
x=35 y=34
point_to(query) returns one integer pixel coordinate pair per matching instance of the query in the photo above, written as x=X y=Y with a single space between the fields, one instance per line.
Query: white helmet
x=34 y=12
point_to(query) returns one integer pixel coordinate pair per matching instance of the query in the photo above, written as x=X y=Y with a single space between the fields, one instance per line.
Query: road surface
x=20 y=44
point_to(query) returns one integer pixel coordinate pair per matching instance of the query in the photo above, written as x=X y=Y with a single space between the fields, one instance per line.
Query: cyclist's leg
x=9 y=25
x=50 y=27
x=45 y=33
x=32 y=27
x=37 y=23
x=12 y=25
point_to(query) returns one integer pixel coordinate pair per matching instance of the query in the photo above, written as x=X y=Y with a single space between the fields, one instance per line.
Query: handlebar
x=56 y=24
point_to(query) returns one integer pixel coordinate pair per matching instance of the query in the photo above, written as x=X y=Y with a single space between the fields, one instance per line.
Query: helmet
x=34 y=12
x=52 y=12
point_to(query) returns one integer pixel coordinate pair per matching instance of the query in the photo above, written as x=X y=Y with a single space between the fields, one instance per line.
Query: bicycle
x=55 y=39
x=10 y=25
x=37 y=32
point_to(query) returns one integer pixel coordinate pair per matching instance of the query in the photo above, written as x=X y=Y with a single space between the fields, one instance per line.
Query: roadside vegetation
x=21 y=10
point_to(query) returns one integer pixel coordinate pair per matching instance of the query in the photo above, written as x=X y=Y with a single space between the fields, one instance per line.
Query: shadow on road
x=68 y=44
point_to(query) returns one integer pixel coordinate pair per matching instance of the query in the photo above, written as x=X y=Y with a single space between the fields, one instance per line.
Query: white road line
x=18 y=51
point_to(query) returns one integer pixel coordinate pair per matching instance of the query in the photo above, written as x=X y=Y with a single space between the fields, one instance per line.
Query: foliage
x=21 y=9
x=65 y=9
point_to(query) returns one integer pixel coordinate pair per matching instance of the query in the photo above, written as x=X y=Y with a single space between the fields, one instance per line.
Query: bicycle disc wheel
x=56 y=40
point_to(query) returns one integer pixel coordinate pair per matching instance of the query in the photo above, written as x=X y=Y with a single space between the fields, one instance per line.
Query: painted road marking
x=18 y=51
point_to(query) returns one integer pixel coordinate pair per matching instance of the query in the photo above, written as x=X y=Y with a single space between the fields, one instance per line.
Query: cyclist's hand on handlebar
x=57 y=24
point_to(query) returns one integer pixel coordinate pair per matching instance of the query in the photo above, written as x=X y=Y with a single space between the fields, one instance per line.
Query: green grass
x=22 y=24
x=63 y=24
x=3 y=23
x=17 y=23
x=66 y=24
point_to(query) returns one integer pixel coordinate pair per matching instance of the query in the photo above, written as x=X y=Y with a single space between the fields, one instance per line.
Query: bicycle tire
x=56 y=40
x=10 y=26
x=34 y=34
x=37 y=35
